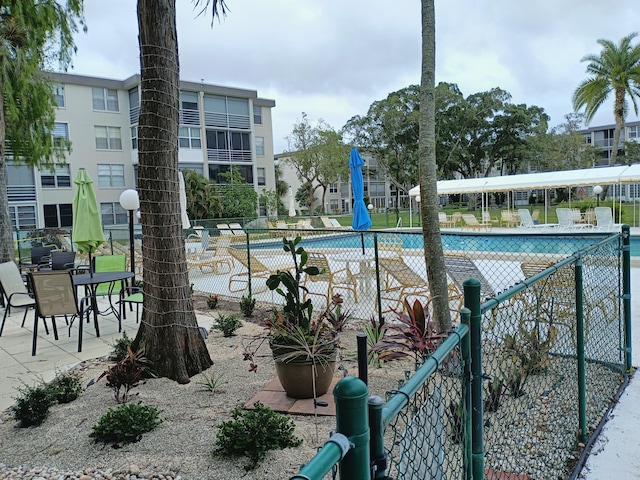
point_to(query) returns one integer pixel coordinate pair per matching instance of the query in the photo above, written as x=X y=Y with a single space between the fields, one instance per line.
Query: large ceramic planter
x=297 y=377
x=296 y=370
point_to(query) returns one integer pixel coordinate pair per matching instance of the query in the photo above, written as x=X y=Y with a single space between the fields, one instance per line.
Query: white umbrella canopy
x=183 y=203
x=292 y=204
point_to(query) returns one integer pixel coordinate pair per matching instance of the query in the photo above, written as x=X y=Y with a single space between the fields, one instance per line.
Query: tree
x=615 y=70
x=271 y=201
x=203 y=200
x=32 y=35
x=318 y=156
x=429 y=200
x=168 y=330
x=239 y=199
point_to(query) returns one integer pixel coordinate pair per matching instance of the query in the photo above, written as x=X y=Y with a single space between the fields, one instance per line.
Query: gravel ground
x=180 y=447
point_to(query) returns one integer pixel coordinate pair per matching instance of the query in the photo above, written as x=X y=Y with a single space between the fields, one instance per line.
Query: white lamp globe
x=129 y=200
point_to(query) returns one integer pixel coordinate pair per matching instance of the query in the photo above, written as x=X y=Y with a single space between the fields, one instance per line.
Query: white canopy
x=533 y=181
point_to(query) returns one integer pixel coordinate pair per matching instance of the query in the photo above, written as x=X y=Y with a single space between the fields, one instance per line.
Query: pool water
x=561 y=244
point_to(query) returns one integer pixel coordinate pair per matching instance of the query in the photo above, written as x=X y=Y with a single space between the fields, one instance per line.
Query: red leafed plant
x=411 y=334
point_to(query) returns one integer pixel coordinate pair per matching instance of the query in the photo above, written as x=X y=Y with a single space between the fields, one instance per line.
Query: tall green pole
x=352 y=420
x=465 y=346
x=582 y=385
x=626 y=294
x=472 y=302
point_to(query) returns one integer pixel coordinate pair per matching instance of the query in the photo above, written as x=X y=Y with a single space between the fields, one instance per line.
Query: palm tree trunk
x=618 y=112
x=429 y=201
x=169 y=330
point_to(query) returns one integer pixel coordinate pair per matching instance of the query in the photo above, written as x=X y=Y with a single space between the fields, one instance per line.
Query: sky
x=333 y=58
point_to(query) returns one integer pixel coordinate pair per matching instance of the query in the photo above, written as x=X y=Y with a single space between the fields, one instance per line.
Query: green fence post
x=333 y=451
x=352 y=420
x=465 y=346
x=472 y=302
x=626 y=294
x=377 y=455
x=582 y=386
x=378 y=297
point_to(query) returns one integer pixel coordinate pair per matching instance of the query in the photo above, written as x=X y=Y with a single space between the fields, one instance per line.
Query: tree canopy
x=34 y=36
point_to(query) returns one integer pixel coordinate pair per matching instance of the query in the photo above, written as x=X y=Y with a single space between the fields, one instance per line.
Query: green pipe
x=376 y=449
x=352 y=420
x=379 y=298
x=626 y=294
x=331 y=453
x=472 y=288
x=416 y=381
x=465 y=347
x=582 y=386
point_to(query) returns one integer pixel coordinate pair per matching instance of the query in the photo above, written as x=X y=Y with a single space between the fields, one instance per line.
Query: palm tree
x=616 y=69
x=429 y=200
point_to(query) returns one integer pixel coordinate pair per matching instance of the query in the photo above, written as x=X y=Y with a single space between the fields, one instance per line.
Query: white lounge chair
x=526 y=221
x=566 y=220
x=604 y=220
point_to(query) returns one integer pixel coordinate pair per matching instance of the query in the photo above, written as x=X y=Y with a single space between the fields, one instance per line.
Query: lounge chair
x=460 y=268
x=219 y=260
x=526 y=221
x=604 y=220
x=335 y=279
x=326 y=223
x=566 y=220
x=55 y=295
x=337 y=224
x=248 y=264
x=509 y=218
x=400 y=282
x=390 y=243
x=237 y=230
x=224 y=230
x=14 y=290
x=472 y=222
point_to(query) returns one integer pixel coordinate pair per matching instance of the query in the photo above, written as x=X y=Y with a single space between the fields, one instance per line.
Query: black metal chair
x=59 y=260
x=55 y=295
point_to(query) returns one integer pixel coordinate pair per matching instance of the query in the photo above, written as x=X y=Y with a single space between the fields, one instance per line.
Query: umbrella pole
x=362 y=239
x=90 y=264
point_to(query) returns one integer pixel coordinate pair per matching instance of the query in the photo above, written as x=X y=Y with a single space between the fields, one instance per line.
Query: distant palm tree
x=616 y=69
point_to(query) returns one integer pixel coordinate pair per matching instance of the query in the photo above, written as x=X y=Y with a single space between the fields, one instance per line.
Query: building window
x=260 y=146
x=262 y=176
x=134 y=138
x=257 y=115
x=105 y=99
x=240 y=141
x=113 y=214
x=58 y=94
x=189 y=137
x=189 y=100
x=60 y=132
x=333 y=188
x=215 y=170
x=110 y=175
x=217 y=140
x=108 y=138
x=23 y=217
x=56 y=216
x=634 y=132
x=60 y=177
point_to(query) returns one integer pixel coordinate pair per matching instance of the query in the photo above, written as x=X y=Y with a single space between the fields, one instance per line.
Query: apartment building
x=219 y=127
x=602 y=137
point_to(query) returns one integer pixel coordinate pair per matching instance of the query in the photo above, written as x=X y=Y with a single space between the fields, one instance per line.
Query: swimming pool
x=556 y=244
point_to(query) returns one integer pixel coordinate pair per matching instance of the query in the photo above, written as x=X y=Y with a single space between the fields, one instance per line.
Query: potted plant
x=304 y=347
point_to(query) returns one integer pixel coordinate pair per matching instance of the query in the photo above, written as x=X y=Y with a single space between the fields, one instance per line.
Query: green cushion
x=135 y=298
x=110 y=263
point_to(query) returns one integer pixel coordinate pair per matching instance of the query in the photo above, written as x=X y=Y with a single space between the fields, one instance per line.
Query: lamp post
x=597 y=190
x=129 y=201
x=418 y=203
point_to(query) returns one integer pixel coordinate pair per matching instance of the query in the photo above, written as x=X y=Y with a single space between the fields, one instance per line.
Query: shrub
x=126 y=424
x=65 y=387
x=212 y=301
x=247 y=305
x=120 y=347
x=227 y=324
x=32 y=405
x=125 y=375
x=253 y=433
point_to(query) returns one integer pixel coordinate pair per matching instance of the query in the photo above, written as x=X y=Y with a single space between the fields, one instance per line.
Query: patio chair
x=237 y=230
x=443 y=220
x=40 y=256
x=219 y=260
x=456 y=218
x=55 y=295
x=14 y=290
x=60 y=260
x=131 y=296
x=224 y=230
x=248 y=264
x=509 y=218
x=604 y=220
x=566 y=220
x=472 y=222
x=335 y=279
x=400 y=282
x=390 y=243
x=110 y=263
x=526 y=221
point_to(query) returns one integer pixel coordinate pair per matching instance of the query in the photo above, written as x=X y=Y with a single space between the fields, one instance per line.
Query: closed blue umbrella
x=361 y=219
